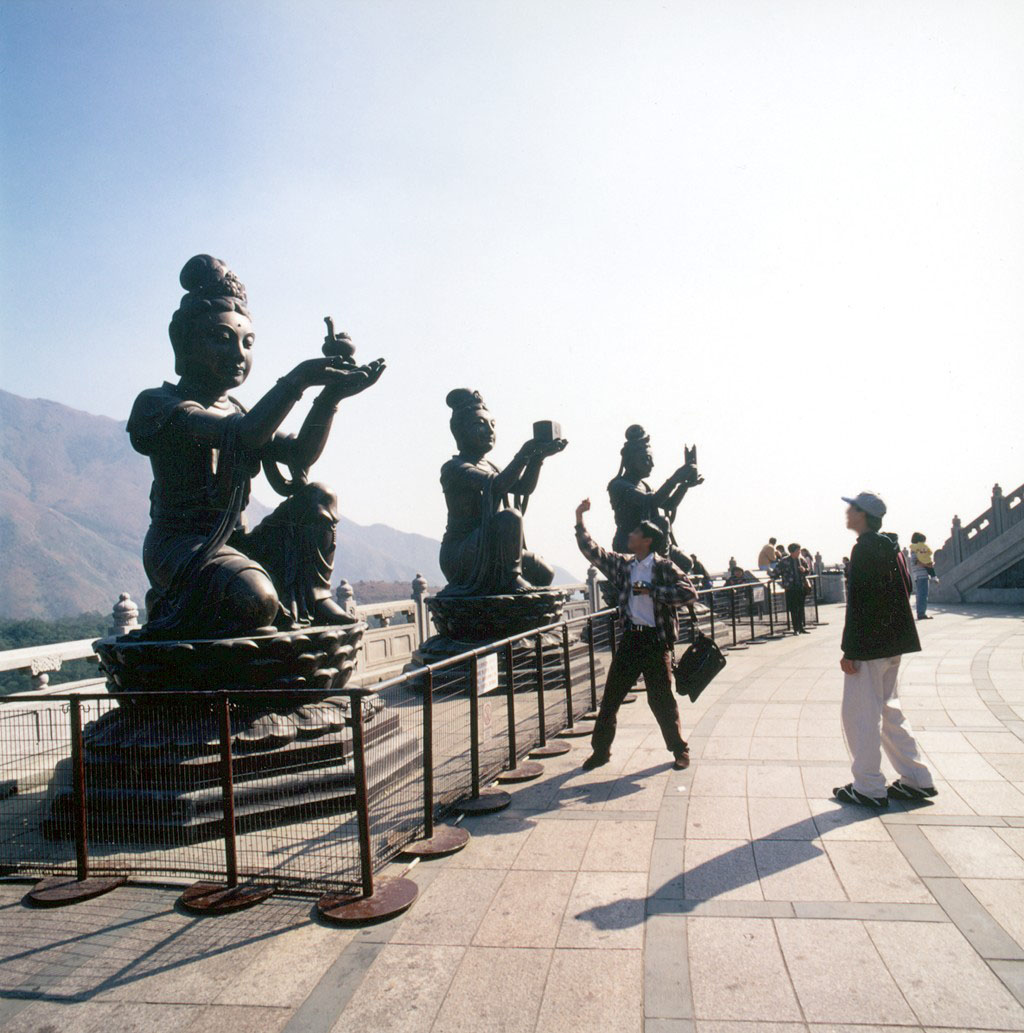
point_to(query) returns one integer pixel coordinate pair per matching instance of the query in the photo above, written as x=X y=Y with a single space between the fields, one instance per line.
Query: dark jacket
x=670 y=587
x=878 y=618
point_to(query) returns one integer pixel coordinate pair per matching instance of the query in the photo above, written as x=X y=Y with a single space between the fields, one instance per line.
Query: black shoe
x=900 y=790
x=681 y=760
x=847 y=794
x=596 y=760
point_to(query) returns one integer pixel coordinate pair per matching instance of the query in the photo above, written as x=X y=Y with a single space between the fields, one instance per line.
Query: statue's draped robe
x=197 y=544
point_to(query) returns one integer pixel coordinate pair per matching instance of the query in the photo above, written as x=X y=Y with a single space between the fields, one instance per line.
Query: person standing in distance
x=879 y=630
x=648 y=589
x=793 y=571
x=766 y=557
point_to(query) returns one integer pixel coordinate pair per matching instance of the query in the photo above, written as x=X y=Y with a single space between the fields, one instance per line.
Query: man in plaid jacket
x=649 y=588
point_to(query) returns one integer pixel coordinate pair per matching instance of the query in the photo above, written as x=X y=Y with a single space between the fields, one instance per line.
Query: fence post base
x=215 y=898
x=447 y=839
x=489 y=801
x=524 y=772
x=390 y=897
x=578 y=730
x=551 y=749
x=61 y=890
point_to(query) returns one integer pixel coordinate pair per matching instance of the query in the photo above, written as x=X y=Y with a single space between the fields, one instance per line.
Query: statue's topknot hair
x=212 y=287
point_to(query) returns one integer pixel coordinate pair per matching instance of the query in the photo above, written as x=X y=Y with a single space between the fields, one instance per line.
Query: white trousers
x=872 y=721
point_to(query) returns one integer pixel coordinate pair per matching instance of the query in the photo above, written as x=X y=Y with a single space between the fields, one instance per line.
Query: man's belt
x=630 y=626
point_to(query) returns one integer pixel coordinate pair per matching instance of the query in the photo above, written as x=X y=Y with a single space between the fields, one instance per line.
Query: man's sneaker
x=596 y=760
x=847 y=794
x=900 y=790
x=681 y=760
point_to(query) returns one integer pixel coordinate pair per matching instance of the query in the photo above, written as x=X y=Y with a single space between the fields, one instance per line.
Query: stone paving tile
x=991 y=743
x=1013 y=837
x=942 y=977
x=765 y=748
x=1004 y=901
x=605 y=909
x=737 y=971
x=820 y=779
x=981 y=717
x=596 y=991
x=836 y=821
x=495 y=843
x=962 y=767
x=821 y=749
x=636 y=795
x=781 y=818
x=975 y=852
x=620 y=846
x=77 y=1017
x=527 y=910
x=665 y=878
x=838 y=974
x=728 y=748
x=739 y=727
x=451 y=908
x=289 y=966
x=795 y=870
x=876 y=872
x=774 y=782
x=495 y=990
x=720 y=870
x=555 y=846
x=774 y=726
x=217 y=1018
x=717 y=818
x=667 y=993
x=720 y=780
x=403 y=990
x=1010 y=766
x=704 y=1026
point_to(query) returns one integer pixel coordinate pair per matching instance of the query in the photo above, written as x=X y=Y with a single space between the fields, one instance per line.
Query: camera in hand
x=546 y=431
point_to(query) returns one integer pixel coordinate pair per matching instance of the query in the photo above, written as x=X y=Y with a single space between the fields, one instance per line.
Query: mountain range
x=74 y=509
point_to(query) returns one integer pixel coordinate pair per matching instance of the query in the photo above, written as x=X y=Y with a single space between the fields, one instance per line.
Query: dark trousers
x=639 y=652
x=795 y=604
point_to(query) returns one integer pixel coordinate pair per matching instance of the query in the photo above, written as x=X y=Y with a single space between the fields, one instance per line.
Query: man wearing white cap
x=879 y=630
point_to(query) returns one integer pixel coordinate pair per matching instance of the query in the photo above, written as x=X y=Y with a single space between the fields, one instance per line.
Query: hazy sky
x=790 y=232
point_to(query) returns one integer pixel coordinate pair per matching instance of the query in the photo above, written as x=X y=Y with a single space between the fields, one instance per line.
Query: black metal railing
x=293 y=789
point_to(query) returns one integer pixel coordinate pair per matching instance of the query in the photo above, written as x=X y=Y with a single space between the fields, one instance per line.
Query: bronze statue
x=210 y=576
x=633 y=500
x=483 y=551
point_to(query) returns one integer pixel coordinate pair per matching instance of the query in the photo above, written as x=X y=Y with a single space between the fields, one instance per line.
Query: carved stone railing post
x=819 y=566
x=346 y=597
x=956 y=541
x=999 y=522
x=593 y=594
x=419 y=595
x=125 y=616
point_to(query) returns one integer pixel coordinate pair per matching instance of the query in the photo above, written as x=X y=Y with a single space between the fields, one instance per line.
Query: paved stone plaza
x=735 y=896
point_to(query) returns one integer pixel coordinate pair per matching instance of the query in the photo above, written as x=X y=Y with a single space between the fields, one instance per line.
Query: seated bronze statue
x=210 y=576
x=483 y=551
x=633 y=500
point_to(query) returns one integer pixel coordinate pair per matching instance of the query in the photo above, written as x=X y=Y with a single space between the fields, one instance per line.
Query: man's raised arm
x=602 y=559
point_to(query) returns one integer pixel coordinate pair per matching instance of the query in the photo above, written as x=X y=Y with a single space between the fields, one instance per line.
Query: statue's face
x=639 y=460
x=478 y=433
x=221 y=351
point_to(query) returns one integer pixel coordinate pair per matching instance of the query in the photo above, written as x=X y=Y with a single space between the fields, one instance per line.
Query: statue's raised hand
x=534 y=449
x=339 y=381
x=352 y=380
